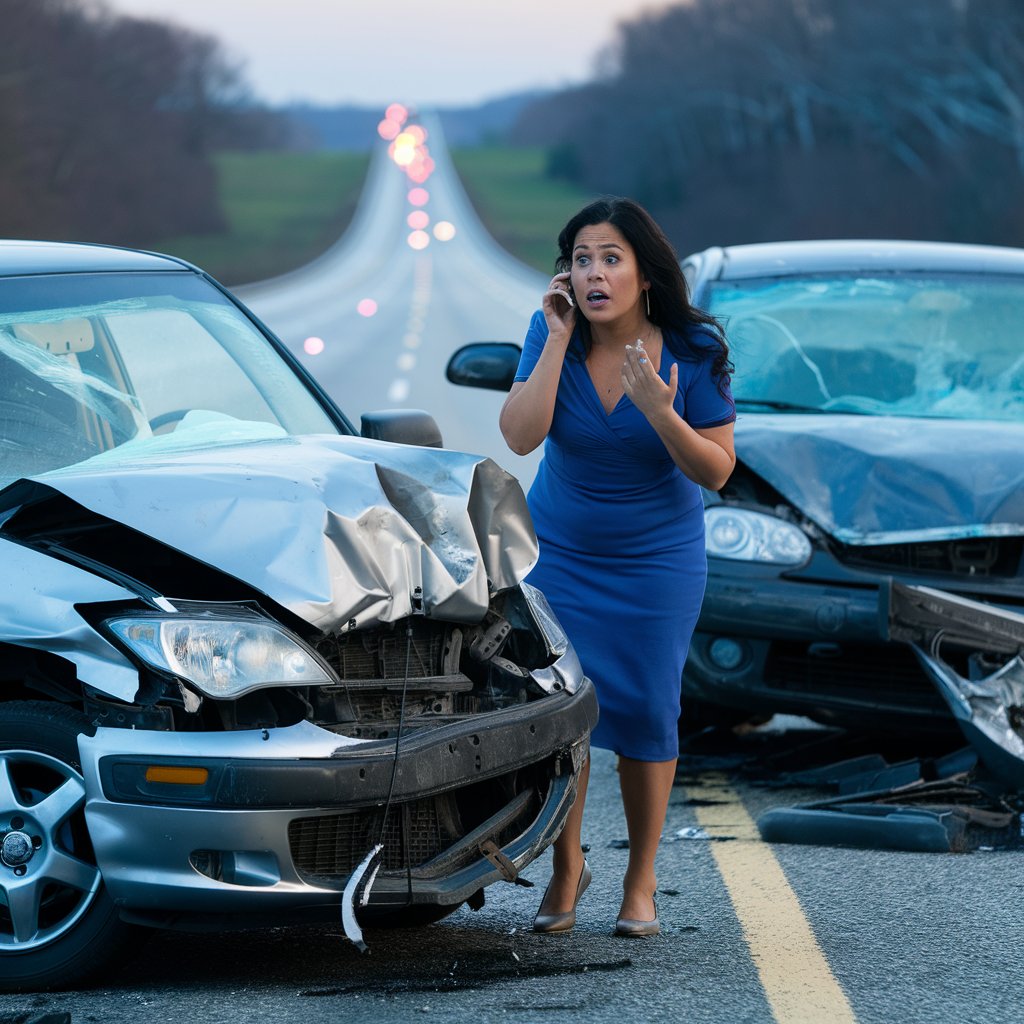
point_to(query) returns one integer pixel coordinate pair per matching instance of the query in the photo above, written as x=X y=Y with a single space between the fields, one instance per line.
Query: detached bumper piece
x=985 y=692
x=932 y=817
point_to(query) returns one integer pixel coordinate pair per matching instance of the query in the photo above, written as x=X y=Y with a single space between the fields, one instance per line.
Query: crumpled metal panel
x=989 y=710
x=37 y=598
x=888 y=480
x=983 y=709
x=336 y=529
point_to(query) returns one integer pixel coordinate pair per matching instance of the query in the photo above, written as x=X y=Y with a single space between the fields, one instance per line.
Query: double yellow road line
x=796 y=977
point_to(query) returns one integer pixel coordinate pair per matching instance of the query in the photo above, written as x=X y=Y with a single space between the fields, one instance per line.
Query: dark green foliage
x=107 y=123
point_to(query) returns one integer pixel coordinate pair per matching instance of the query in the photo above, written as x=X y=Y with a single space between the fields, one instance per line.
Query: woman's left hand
x=646 y=390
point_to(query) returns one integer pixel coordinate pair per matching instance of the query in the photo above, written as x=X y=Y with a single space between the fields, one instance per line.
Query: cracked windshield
x=913 y=345
x=137 y=366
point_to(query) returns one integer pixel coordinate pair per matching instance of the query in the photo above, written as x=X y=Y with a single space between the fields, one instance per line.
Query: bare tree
x=807 y=117
x=107 y=123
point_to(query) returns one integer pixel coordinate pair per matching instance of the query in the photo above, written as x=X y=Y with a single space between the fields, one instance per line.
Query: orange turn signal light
x=175 y=776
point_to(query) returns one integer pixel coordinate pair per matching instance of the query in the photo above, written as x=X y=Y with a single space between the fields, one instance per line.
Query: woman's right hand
x=558 y=307
x=527 y=413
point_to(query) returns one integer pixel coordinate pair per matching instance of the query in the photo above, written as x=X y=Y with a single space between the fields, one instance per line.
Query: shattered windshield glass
x=895 y=344
x=95 y=364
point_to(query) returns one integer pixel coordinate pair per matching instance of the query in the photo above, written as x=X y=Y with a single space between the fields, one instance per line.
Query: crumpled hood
x=884 y=480
x=332 y=528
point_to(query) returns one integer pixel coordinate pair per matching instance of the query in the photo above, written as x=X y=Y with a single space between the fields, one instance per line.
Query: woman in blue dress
x=627 y=385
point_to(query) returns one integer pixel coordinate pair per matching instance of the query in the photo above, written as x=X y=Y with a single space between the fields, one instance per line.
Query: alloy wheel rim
x=48 y=874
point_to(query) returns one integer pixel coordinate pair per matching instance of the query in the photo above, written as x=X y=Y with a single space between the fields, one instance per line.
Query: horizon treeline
x=751 y=120
x=108 y=122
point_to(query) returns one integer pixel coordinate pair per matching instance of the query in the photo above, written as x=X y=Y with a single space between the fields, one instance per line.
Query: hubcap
x=16 y=849
x=48 y=873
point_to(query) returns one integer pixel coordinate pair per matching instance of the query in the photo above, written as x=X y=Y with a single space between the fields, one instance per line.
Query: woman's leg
x=646 y=786
x=567 y=862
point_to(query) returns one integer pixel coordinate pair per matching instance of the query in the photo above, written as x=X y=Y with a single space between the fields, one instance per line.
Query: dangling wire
x=401 y=724
x=357 y=890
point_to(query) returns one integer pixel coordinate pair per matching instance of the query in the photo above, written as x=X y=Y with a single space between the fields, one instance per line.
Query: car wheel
x=57 y=921
x=416 y=916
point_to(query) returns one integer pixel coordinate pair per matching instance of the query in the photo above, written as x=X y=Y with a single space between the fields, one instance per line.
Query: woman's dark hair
x=659 y=264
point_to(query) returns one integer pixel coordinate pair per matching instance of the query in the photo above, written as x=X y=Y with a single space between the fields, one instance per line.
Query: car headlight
x=747 y=536
x=222 y=658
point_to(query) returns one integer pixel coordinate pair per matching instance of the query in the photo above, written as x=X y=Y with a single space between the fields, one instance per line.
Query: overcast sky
x=426 y=52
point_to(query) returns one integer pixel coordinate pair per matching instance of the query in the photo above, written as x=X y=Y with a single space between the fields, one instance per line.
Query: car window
x=885 y=344
x=97 y=363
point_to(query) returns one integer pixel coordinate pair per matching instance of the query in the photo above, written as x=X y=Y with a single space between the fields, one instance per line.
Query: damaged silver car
x=255 y=666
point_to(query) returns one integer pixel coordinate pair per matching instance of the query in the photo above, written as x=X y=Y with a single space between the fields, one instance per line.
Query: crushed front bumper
x=808 y=644
x=283 y=812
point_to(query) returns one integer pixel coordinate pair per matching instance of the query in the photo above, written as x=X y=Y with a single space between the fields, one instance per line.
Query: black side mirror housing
x=402 y=426
x=485 y=364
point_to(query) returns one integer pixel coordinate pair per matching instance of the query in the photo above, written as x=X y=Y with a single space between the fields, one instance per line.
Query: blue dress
x=621 y=533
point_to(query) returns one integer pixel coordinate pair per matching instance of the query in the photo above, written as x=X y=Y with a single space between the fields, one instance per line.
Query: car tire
x=69 y=926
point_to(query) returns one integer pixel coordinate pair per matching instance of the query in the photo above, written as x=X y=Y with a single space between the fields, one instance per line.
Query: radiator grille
x=379 y=653
x=888 y=671
x=969 y=557
x=331 y=846
x=334 y=844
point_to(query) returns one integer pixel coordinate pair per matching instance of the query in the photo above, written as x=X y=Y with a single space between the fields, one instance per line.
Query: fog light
x=726 y=654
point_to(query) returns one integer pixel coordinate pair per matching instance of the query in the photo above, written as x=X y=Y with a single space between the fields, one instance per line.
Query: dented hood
x=333 y=528
x=885 y=480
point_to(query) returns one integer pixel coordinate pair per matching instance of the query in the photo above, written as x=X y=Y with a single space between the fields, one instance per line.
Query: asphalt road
x=429 y=302
x=753 y=933
x=901 y=936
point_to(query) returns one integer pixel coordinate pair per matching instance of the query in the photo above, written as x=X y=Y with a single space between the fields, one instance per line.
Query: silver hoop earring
x=647 y=295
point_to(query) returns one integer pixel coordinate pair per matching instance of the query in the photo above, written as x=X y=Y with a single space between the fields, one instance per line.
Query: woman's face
x=605 y=277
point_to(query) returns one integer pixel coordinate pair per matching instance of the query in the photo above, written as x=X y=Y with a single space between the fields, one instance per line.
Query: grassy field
x=520 y=207
x=283 y=209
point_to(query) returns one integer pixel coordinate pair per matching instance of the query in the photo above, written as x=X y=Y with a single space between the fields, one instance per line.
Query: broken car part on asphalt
x=973 y=653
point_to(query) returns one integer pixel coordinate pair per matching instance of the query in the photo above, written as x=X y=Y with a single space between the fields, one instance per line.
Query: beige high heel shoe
x=630 y=928
x=562 y=922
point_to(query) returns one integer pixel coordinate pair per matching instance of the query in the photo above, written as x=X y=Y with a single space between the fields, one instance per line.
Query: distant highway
x=429 y=303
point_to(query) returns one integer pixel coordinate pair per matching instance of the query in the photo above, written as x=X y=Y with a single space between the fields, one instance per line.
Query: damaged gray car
x=256 y=668
x=880 y=393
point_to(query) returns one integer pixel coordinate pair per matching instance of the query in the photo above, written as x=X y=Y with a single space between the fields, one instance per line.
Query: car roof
x=773 y=259
x=18 y=258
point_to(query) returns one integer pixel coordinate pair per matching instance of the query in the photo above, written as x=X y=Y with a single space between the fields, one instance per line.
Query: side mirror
x=485 y=364
x=402 y=426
